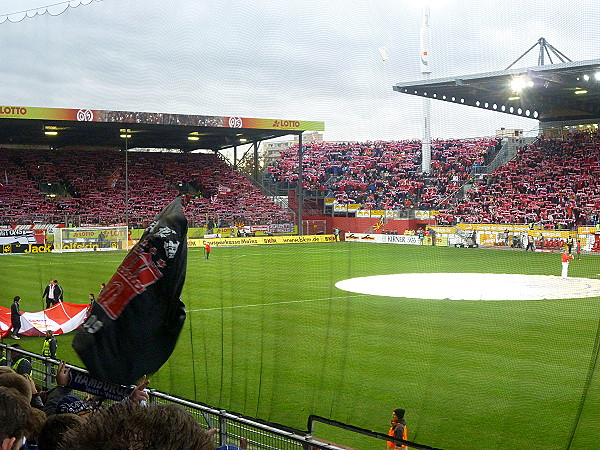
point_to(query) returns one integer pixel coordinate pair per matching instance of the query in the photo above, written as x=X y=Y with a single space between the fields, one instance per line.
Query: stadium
x=456 y=278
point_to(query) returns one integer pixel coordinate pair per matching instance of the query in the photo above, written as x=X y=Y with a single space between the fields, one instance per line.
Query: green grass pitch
x=270 y=336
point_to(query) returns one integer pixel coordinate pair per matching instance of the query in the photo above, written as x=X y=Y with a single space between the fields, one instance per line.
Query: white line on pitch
x=276 y=303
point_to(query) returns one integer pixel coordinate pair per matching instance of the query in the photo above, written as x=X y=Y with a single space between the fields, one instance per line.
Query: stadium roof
x=55 y=127
x=561 y=92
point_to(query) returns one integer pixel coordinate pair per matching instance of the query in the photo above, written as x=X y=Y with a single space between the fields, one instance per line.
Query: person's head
x=18 y=383
x=55 y=281
x=398 y=414
x=102 y=285
x=17 y=299
x=14 y=354
x=35 y=422
x=14 y=415
x=49 y=334
x=128 y=425
x=54 y=429
x=92 y=296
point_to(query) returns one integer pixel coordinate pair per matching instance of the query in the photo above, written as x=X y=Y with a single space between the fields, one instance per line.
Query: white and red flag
x=60 y=318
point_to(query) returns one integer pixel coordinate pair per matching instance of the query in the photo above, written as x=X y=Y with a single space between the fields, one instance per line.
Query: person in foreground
x=14 y=416
x=398 y=430
x=129 y=425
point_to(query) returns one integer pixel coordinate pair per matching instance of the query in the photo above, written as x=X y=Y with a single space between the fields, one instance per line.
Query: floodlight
x=597 y=76
x=123 y=136
x=51 y=133
x=586 y=77
x=193 y=138
x=518 y=84
x=581 y=91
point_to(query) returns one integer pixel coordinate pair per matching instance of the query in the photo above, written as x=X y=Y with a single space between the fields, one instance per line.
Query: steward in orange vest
x=398 y=430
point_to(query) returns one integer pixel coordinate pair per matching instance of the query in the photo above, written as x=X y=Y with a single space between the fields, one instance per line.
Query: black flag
x=133 y=327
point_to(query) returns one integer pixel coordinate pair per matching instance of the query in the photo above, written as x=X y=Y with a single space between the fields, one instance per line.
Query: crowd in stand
x=383 y=175
x=93 y=185
x=552 y=183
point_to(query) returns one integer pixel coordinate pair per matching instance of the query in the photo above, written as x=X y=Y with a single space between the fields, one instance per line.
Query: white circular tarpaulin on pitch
x=472 y=286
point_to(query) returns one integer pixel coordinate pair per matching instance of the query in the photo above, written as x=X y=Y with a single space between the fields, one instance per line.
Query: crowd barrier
x=232 y=427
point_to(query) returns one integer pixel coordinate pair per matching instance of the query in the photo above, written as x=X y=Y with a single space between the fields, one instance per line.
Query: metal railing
x=313 y=419
x=231 y=426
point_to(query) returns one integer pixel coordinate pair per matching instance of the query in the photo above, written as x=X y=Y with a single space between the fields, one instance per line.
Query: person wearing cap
x=398 y=430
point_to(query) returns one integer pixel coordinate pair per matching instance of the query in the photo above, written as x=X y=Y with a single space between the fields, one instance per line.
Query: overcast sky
x=307 y=60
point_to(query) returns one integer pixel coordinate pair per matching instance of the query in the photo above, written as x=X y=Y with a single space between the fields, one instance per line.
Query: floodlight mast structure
x=545 y=49
x=426 y=71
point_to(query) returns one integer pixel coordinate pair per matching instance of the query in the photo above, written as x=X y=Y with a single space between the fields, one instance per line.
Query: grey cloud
x=313 y=60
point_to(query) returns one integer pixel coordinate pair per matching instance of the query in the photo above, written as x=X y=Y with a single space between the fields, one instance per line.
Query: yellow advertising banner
x=587 y=230
x=487 y=239
x=224 y=230
x=266 y=240
x=91 y=115
x=445 y=230
x=440 y=241
x=273 y=124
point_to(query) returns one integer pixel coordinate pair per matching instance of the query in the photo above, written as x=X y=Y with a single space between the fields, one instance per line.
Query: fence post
x=48 y=369
x=222 y=429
